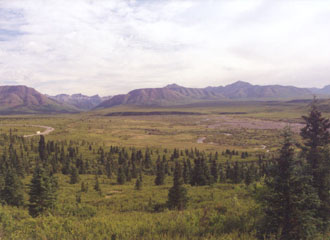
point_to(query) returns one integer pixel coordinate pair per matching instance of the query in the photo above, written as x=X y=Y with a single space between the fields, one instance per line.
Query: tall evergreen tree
x=177 y=195
x=147 y=159
x=43 y=192
x=160 y=174
x=138 y=184
x=222 y=175
x=236 y=177
x=12 y=193
x=186 y=173
x=42 y=149
x=108 y=168
x=200 y=174
x=121 y=177
x=74 y=176
x=316 y=135
x=214 y=171
x=97 y=184
x=290 y=201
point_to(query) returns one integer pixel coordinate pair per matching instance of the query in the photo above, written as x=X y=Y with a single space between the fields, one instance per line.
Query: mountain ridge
x=21 y=99
x=174 y=94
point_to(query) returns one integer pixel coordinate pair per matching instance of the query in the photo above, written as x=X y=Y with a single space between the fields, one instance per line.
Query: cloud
x=113 y=46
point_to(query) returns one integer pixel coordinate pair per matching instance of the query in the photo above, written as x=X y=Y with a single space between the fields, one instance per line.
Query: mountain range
x=80 y=101
x=177 y=95
x=22 y=99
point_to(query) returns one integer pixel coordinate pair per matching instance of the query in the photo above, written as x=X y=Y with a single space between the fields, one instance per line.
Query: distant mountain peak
x=80 y=101
x=240 y=84
x=173 y=86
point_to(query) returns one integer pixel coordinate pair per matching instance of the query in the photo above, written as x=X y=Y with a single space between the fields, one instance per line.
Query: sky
x=109 y=47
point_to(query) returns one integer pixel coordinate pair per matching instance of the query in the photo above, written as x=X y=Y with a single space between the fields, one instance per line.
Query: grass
x=170 y=130
x=130 y=214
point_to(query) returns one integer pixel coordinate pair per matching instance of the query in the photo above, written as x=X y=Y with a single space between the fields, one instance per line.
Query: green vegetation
x=147 y=177
x=177 y=195
x=290 y=201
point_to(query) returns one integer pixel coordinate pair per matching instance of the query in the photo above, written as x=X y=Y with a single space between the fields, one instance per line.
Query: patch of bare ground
x=47 y=130
x=201 y=140
x=227 y=122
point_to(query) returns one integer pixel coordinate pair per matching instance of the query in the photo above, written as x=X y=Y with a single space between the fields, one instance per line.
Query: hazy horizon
x=102 y=95
x=112 y=47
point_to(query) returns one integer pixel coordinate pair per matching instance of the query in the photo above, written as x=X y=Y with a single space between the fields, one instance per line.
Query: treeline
x=69 y=157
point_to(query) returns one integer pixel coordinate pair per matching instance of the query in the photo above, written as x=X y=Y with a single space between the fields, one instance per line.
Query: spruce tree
x=12 y=193
x=108 y=169
x=43 y=192
x=138 y=184
x=121 y=177
x=316 y=136
x=236 y=177
x=97 y=184
x=177 y=195
x=290 y=201
x=214 y=171
x=201 y=174
x=74 y=176
x=222 y=175
x=186 y=173
x=160 y=174
x=147 y=159
x=42 y=149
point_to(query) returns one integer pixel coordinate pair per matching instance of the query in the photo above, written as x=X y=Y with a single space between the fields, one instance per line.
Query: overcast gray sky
x=113 y=46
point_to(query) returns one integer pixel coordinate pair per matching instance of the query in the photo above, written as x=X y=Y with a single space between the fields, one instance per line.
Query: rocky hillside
x=174 y=94
x=171 y=94
x=22 y=99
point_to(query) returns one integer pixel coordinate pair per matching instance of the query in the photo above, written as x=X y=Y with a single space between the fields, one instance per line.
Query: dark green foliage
x=222 y=175
x=97 y=184
x=249 y=175
x=43 y=192
x=214 y=171
x=160 y=174
x=12 y=193
x=128 y=174
x=315 y=133
x=316 y=141
x=147 y=159
x=121 y=177
x=186 y=172
x=138 y=184
x=200 y=175
x=108 y=169
x=236 y=176
x=74 y=177
x=42 y=149
x=177 y=195
x=290 y=201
